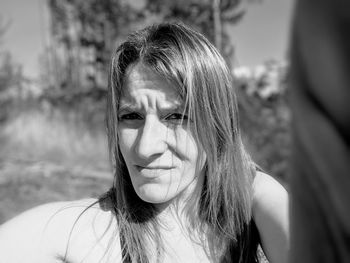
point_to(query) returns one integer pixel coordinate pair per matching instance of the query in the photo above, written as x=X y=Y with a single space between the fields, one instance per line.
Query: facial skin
x=160 y=153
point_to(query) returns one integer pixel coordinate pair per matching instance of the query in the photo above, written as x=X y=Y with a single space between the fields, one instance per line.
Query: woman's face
x=160 y=153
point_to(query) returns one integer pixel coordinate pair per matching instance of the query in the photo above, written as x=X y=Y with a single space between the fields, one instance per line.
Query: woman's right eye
x=130 y=116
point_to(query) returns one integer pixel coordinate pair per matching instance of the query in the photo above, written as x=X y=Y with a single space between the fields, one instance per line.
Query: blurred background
x=54 y=57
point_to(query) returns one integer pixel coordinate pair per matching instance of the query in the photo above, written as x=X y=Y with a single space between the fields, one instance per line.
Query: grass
x=25 y=185
x=57 y=137
x=50 y=157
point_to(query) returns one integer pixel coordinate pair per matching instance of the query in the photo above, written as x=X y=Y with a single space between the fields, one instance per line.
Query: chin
x=154 y=195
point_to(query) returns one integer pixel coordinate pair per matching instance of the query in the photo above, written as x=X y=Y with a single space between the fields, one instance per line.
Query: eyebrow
x=127 y=106
x=131 y=107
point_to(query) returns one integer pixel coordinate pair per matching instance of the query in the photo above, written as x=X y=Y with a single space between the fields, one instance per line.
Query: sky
x=262 y=34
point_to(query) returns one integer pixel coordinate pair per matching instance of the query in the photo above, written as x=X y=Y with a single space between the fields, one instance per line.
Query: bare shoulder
x=42 y=212
x=270 y=212
x=266 y=188
x=45 y=216
x=52 y=231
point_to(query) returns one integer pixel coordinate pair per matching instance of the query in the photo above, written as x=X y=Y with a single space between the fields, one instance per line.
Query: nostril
x=150 y=142
x=149 y=149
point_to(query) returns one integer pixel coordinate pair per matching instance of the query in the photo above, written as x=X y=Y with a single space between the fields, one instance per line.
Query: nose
x=151 y=142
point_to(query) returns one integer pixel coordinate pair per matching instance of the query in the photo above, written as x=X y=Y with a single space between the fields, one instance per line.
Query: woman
x=185 y=190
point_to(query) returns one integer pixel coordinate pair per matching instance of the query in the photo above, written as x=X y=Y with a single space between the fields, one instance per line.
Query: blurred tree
x=265 y=117
x=84 y=33
x=10 y=73
x=11 y=77
x=83 y=37
x=208 y=16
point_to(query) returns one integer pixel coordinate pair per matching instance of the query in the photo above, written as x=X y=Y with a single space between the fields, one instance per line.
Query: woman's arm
x=23 y=239
x=270 y=212
x=50 y=232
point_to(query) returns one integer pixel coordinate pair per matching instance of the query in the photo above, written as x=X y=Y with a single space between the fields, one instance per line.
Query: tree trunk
x=217 y=24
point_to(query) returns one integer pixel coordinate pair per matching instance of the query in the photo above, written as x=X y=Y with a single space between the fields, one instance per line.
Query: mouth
x=154 y=172
x=153 y=168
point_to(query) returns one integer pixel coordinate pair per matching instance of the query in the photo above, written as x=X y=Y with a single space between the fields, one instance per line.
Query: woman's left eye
x=176 y=117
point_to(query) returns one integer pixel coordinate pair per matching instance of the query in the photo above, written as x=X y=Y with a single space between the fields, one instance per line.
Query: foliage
x=10 y=72
x=207 y=16
x=265 y=117
x=84 y=33
x=11 y=77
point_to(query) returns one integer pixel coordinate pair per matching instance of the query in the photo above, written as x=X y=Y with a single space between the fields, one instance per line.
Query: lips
x=154 y=171
x=158 y=167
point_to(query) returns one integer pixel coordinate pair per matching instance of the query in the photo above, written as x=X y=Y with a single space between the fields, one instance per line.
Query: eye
x=176 y=117
x=130 y=116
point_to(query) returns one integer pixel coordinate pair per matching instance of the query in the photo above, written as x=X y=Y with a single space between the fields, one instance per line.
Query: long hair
x=187 y=59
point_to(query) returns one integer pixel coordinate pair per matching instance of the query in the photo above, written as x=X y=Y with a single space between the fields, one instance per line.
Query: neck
x=182 y=211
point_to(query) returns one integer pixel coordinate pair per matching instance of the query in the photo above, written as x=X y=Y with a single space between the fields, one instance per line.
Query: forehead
x=141 y=81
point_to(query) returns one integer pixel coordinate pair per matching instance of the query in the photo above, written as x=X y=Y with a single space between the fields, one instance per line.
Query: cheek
x=126 y=140
x=186 y=146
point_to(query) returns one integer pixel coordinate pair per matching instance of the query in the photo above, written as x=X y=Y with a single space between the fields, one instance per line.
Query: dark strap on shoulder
x=244 y=250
